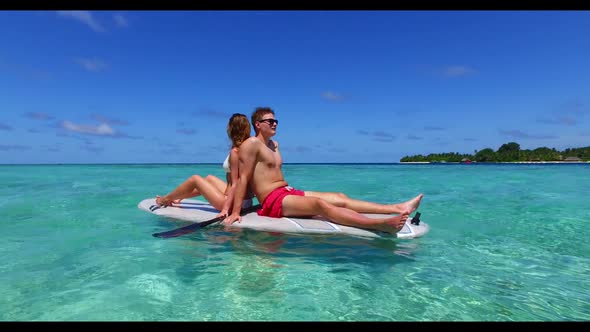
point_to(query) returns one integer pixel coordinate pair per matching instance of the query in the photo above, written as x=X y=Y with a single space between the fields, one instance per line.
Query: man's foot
x=412 y=204
x=395 y=224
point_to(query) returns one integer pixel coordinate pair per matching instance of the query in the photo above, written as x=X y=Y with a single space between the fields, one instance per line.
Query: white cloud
x=101 y=130
x=120 y=20
x=211 y=113
x=111 y=121
x=297 y=149
x=383 y=134
x=38 y=116
x=186 y=131
x=570 y=114
x=433 y=128
x=520 y=134
x=91 y=64
x=564 y=119
x=331 y=96
x=5 y=127
x=456 y=71
x=14 y=147
x=82 y=16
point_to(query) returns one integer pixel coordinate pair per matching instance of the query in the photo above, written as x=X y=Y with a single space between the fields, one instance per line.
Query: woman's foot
x=163 y=201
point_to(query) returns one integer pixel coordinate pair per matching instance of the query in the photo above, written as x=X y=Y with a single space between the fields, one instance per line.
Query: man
x=260 y=165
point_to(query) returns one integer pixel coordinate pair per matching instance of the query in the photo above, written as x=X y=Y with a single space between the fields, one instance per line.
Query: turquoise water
x=507 y=243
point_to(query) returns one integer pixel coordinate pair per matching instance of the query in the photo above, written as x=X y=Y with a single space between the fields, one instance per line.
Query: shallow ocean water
x=507 y=243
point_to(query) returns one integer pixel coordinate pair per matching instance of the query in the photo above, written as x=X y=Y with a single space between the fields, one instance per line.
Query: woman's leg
x=217 y=182
x=209 y=191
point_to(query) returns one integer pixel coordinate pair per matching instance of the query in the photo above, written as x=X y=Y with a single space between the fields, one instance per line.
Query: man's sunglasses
x=270 y=122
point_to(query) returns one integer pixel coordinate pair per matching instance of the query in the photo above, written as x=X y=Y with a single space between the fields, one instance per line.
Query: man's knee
x=313 y=202
x=321 y=204
x=341 y=195
x=339 y=199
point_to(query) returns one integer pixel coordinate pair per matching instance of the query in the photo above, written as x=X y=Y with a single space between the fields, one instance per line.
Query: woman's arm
x=232 y=183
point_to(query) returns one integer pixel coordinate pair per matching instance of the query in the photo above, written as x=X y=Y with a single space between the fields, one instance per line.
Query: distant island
x=509 y=152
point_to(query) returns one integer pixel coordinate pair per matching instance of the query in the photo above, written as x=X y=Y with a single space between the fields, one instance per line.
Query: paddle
x=193 y=227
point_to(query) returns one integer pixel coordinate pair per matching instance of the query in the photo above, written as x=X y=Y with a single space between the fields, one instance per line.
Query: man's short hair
x=258 y=113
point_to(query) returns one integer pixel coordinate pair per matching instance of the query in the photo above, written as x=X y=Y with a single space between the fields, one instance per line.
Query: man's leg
x=341 y=200
x=297 y=206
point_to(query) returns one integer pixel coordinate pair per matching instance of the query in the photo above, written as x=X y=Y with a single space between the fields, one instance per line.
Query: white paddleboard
x=198 y=211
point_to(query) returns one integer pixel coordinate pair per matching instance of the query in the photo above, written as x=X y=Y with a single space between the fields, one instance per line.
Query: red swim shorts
x=273 y=203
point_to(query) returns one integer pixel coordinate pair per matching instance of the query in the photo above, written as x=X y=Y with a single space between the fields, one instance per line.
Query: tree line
x=509 y=152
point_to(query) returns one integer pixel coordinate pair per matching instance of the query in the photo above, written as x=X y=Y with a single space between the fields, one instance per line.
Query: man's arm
x=247 y=162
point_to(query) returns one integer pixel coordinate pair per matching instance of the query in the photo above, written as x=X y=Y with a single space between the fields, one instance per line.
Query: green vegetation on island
x=509 y=152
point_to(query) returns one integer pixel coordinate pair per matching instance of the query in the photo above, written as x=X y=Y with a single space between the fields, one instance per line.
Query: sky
x=346 y=86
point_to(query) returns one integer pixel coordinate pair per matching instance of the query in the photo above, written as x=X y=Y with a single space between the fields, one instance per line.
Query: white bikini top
x=226 y=165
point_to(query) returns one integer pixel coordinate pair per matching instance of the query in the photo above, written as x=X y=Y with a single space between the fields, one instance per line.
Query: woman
x=213 y=189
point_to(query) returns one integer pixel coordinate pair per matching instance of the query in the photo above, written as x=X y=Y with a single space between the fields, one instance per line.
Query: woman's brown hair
x=238 y=129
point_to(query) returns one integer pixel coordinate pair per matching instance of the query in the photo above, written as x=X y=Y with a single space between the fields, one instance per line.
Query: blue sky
x=347 y=86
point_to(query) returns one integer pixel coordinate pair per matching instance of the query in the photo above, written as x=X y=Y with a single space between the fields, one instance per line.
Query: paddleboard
x=198 y=211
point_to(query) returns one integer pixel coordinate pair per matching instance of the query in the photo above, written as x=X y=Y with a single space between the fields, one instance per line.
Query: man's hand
x=223 y=213
x=231 y=219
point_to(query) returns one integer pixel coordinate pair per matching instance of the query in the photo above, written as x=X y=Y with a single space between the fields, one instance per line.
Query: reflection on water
x=507 y=243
